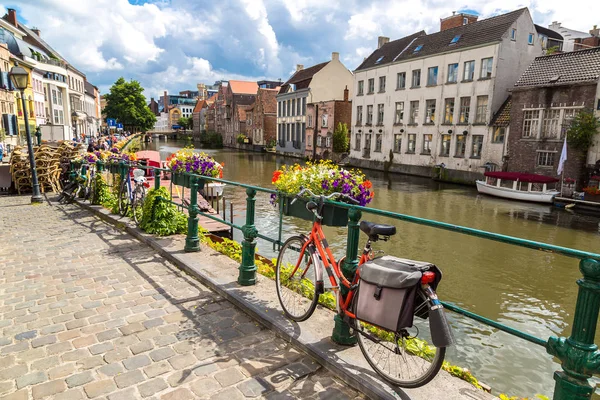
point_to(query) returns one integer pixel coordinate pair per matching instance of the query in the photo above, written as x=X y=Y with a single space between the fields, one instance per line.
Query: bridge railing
x=578 y=354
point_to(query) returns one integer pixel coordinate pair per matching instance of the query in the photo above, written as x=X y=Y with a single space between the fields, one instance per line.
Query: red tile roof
x=200 y=104
x=243 y=87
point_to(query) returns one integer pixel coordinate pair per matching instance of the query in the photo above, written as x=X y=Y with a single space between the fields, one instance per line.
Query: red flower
x=367 y=184
x=276 y=176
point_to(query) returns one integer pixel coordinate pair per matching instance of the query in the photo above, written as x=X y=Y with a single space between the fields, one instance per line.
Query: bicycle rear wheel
x=137 y=204
x=403 y=358
x=297 y=287
x=124 y=198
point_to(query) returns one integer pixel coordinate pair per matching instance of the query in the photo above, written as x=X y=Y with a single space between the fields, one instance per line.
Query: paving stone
x=138 y=361
x=117 y=355
x=31 y=379
x=58 y=348
x=229 y=377
x=90 y=362
x=45 y=363
x=126 y=394
x=98 y=388
x=79 y=379
x=140 y=347
x=52 y=329
x=129 y=378
x=71 y=394
x=178 y=394
x=204 y=387
x=183 y=360
x=157 y=369
x=108 y=335
x=26 y=335
x=164 y=340
x=61 y=371
x=13 y=372
x=48 y=389
x=228 y=394
x=75 y=324
x=111 y=369
x=22 y=346
x=162 y=354
x=43 y=341
x=205 y=368
x=101 y=348
x=254 y=387
x=84 y=341
x=131 y=328
x=19 y=395
x=155 y=385
x=153 y=323
x=75 y=355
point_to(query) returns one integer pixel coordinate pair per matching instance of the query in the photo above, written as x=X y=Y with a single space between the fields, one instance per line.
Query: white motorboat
x=519 y=186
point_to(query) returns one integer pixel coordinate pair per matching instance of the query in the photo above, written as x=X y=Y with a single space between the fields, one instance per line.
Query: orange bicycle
x=394 y=290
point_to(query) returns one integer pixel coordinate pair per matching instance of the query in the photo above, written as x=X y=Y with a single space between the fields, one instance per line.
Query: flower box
x=332 y=215
x=592 y=197
x=185 y=181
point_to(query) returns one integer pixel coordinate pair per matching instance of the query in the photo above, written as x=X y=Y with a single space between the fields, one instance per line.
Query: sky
x=175 y=44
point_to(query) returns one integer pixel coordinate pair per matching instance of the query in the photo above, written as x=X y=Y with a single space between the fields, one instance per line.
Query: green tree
x=126 y=103
x=340 y=139
x=582 y=130
x=184 y=122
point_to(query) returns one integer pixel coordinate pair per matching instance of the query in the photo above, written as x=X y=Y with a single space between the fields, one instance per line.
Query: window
x=369 y=115
x=469 y=71
x=381 y=84
x=498 y=135
x=279 y=112
x=426 y=144
x=359 y=115
x=361 y=88
x=310 y=121
x=379 y=114
x=418 y=48
x=569 y=114
x=486 y=68
x=324 y=121
x=513 y=34
x=414 y=111
x=368 y=141
x=445 y=150
x=304 y=106
x=452 y=73
x=357 y=142
x=288 y=130
x=531 y=120
x=432 y=74
x=319 y=141
x=530 y=39
x=456 y=38
x=430 y=111
x=371 y=86
x=293 y=107
x=298 y=107
x=461 y=142
x=401 y=80
x=54 y=98
x=480 y=115
x=397 y=143
x=399 y=116
x=545 y=158
x=465 y=108
x=45 y=95
x=465 y=21
x=449 y=111
x=378 y=143
x=550 y=123
x=477 y=145
x=56 y=116
x=416 y=78
x=412 y=142
x=288 y=113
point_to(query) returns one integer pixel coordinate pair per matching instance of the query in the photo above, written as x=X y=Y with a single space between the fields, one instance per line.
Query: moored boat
x=519 y=186
x=149 y=158
x=213 y=190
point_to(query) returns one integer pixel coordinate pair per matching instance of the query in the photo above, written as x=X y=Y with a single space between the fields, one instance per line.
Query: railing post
x=72 y=174
x=156 y=179
x=99 y=166
x=341 y=331
x=578 y=353
x=247 y=275
x=192 y=241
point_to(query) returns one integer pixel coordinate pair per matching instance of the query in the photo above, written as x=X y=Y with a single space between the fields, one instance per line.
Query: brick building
x=236 y=94
x=323 y=119
x=545 y=99
x=261 y=119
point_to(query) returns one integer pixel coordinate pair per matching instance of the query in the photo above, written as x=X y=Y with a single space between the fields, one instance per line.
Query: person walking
x=1 y=151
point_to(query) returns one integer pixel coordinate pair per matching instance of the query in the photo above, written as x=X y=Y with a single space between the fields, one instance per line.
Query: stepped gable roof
x=502 y=117
x=561 y=69
x=303 y=77
x=243 y=87
x=548 y=32
x=487 y=30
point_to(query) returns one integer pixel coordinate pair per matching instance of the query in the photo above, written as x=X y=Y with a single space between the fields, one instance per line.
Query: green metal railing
x=578 y=354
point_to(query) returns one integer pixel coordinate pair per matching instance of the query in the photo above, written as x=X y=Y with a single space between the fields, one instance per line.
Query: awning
x=78 y=115
x=521 y=177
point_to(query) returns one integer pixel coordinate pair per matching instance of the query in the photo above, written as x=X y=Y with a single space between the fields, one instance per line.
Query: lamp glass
x=19 y=77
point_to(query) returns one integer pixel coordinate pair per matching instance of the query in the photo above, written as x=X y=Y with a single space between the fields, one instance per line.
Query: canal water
x=528 y=290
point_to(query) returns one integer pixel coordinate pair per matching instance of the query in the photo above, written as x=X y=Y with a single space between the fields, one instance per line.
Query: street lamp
x=20 y=79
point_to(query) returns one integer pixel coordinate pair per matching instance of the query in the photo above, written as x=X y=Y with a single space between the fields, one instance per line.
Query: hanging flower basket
x=332 y=215
x=185 y=181
x=186 y=161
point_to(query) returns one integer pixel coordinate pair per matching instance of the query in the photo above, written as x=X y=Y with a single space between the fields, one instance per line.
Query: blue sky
x=175 y=44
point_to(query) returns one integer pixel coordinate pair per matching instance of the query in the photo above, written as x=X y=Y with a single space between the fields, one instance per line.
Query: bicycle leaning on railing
x=132 y=194
x=82 y=186
x=383 y=299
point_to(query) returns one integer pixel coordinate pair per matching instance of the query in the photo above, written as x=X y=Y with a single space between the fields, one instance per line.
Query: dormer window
x=418 y=48
x=455 y=39
x=465 y=21
x=379 y=60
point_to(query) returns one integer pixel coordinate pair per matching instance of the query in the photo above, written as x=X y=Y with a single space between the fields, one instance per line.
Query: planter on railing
x=113 y=168
x=185 y=181
x=592 y=197
x=332 y=215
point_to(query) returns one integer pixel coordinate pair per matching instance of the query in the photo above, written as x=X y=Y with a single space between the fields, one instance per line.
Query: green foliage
x=185 y=122
x=240 y=138
x=582 y=130
x=102 y=194
x=537 y=396
x=126 y=103
x=2 y=135
x=160 y=217
x=211 y=140
x=552 y=50
x=341 y=142
x=271 y=143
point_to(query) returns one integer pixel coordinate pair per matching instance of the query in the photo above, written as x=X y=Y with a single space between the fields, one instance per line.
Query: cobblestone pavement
x=86 y=311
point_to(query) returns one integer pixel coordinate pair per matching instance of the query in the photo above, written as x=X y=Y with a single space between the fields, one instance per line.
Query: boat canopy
x=521 y=177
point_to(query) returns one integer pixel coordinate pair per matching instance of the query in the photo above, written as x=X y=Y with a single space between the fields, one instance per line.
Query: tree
x=185 y=123
x=126 y=103
x=340 y=139
x=582 y=130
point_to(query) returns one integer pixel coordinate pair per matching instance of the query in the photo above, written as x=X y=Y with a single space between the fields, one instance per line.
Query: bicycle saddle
x=372 y=229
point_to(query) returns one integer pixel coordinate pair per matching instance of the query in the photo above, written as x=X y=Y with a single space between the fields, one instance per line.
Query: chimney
x=346 y=94
x=37 y=31
x=456 y=20
x=12 y=17
x=335 y=56
x=165 y=100
x=381 y=40
x=299 y=67
x=595 y=31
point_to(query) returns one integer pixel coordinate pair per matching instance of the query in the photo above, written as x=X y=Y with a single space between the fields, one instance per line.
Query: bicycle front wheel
x=403 y=358
x=124 y=198
x=137 y=205
x=295 y=278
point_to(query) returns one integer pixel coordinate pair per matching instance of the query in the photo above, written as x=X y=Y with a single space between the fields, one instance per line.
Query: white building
x=569 y=36
x=427 y=100
x=76 y=81
x=37 y=85
x=162 y=123
x=321 y=82
x=186 y=110
x=92 y=123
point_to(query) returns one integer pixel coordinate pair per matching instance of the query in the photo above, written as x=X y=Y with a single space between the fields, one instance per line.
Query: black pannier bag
x=387 y=295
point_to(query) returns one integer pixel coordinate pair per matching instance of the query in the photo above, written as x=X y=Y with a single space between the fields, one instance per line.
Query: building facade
x=39 y=101
x=424 y=103
x=238 y=95
x=319 y=83
x=545 y=100
x=8 y=121
x=76 y=81
x=92 y=123
x=261 y=119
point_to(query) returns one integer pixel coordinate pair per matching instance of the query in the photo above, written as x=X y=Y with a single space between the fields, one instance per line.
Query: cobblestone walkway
x=86 y=311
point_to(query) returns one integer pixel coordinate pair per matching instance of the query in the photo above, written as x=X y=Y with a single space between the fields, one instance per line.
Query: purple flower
x=325 y=185
x=273 y=199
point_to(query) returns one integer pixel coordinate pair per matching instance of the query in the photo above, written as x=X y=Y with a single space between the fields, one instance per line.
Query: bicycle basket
x=387 y=294
x=138 y=173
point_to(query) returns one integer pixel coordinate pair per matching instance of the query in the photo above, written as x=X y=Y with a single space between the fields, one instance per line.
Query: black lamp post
x=20 y=79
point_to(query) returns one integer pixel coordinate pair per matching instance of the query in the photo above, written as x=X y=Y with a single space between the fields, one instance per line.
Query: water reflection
x=531 y=291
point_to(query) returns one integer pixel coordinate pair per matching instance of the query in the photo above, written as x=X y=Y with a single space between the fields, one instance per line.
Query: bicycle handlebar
x=332 y=195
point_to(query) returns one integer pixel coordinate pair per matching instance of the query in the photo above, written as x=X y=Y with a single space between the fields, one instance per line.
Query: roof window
x=418 y=48
x=455 y=39
x=379 y=60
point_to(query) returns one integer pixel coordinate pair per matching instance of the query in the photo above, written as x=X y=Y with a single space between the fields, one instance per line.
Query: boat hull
x=506 y=193
x=213 y=190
